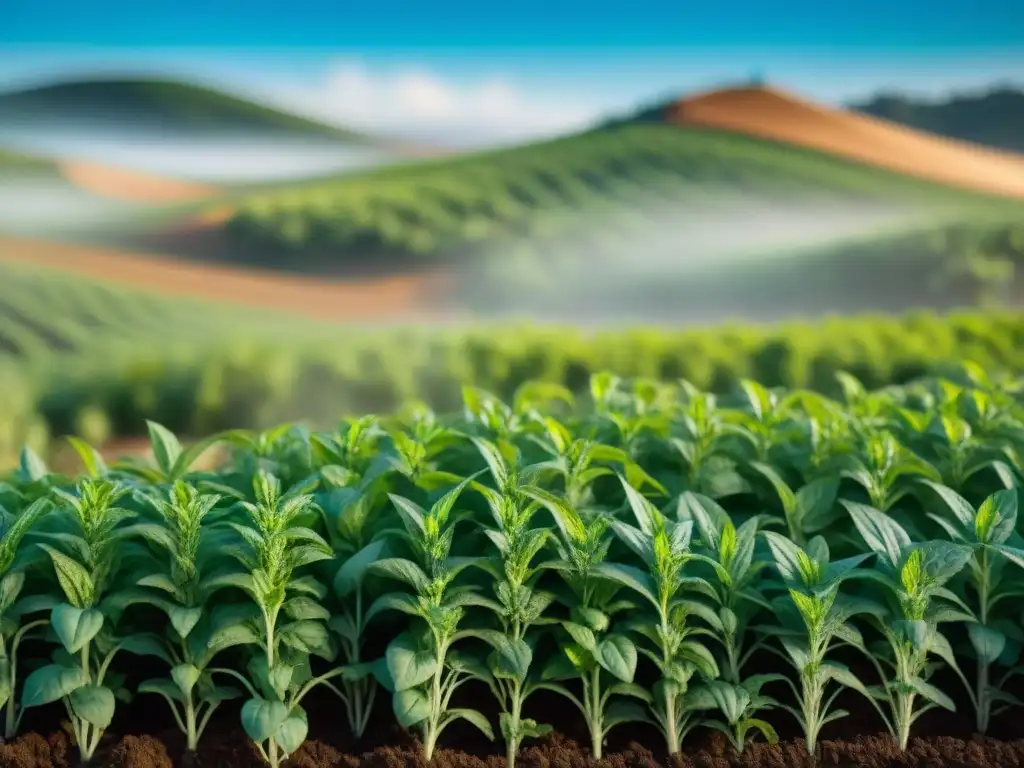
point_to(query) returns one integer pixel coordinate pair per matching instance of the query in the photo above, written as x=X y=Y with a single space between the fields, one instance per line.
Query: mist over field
x=222 y=159
x=692 y=263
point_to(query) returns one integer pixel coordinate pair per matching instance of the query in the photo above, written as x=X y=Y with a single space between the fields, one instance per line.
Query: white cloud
x=417 y=102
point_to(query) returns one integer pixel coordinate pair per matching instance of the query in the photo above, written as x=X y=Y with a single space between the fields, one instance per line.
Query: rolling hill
x=736 y=153
x=994 y=117
x=179 y=108
x=173 y=128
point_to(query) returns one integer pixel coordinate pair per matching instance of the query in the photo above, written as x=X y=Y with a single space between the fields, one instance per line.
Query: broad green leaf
x=165 y=446
x=51 y=683
x=402 y=570
x=292 y=732
x=410 y=706
x=185 y=676
x=94 y=704
x=988 y=642
x=75 y=626
x=618 y=655
x=408 y=664
x=351 y=573
x=472 y=716
x=882 y=534
x=261 y=719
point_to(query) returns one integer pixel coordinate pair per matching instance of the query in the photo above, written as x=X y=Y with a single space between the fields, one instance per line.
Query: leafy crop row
x=319 y=374
x=632 y=550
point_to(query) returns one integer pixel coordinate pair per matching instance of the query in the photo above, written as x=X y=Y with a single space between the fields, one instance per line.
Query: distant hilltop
x=993 y=117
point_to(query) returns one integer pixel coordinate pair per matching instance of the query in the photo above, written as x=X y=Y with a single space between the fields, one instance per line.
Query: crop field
x=638 y=571
x=617 y=177
x=199 y=369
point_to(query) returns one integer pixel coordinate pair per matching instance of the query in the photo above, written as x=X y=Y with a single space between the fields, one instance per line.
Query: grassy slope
x=46 y=315
x=560 y=188
x=174 y=106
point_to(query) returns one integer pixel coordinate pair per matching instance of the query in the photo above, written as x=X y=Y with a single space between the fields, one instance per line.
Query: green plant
x=667 y=637
x=184 y=580
x=992 y=577
x=913 y=575
x=422 y=668
x=812 y=621
x=14 y=560
x=91 y=527
x=275 y=547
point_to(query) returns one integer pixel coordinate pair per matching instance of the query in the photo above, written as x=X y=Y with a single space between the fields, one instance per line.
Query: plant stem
x=595 y=719
x=982 y=697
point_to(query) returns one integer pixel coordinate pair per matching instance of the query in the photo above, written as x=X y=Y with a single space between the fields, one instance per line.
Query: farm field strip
x=649 y=554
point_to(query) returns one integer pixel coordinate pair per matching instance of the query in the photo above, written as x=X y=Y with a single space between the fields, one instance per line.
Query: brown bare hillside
x=393 y=297
x=770 y=114
x=132 y=186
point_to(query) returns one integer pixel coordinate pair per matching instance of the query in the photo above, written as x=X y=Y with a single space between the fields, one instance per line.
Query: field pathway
x=397 y=297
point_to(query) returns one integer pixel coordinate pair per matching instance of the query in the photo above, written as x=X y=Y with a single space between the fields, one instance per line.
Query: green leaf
x=582 y=636
x=512 y=657
x=410 y=707
x=293 y=732
x=145 y=644
x=94 y=704
x=185 y=676
x=166 y=448
x=75 y=626
x=882 y=534
x=351 y=573
x=409 y=665
x=630 y=577
x=474 y=717
x=618 y=655
x=163 y=687
x=403 y=570
x=988 y=642
x=74 y=580
x=183 y=619
x=51 y=683
x=305 y=636
x=261 y=719
x=933 y=694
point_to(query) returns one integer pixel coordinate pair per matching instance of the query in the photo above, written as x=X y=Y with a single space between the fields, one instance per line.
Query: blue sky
x=525 y=66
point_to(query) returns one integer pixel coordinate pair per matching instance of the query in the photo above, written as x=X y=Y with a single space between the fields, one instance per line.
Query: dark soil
x=143 y=736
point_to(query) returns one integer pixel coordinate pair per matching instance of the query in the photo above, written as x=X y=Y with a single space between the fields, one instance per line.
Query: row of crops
x=202 y=381
x=555 y=190
x=635 y=551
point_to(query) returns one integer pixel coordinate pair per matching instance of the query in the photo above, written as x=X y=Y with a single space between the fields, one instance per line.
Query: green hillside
x=577 y=192
x=48 y=315
x=181 y=109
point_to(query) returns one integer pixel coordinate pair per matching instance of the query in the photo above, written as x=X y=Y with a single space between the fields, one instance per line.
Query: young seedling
x=351 y=517
x=591 y=645
x=518 y=605
x=913 y=575
x=993 y=576
x=663 y=547
x=289 y=625
x=183 y=580
x=14 y=559
x=91 y=529
x=730 y=553
x=812 y=621
x=422 y=669
x=738 y=703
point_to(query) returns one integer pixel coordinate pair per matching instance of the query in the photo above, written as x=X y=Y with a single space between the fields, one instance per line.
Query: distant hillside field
x=177 y=107
x=597 y=186
x=993 y=118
